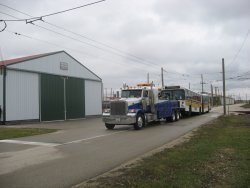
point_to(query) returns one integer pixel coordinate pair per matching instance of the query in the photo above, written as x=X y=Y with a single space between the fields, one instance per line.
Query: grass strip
x=8 y=133
x=218 y=155
x=246 y=105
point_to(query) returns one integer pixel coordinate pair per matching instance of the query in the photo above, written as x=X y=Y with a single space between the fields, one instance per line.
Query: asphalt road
x=82 y=149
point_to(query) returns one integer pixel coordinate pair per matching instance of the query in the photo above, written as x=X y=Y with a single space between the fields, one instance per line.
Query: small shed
x=48 y=87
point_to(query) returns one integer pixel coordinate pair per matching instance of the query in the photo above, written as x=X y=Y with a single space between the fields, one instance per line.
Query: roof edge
x=82 y=65
x=27 y=58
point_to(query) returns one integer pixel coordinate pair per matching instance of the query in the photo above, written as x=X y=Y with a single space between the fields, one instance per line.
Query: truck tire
x=109 y=126
x=177 y=115
x=190 y=111
x=140 y=122
x=173 y=116
x=180 y=113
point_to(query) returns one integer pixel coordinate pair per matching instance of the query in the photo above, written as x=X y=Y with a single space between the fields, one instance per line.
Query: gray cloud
x=184 y=36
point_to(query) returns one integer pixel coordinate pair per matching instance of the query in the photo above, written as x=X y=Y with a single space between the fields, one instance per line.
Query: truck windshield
x=131 y=93
x=172 y=95
x=178 y=95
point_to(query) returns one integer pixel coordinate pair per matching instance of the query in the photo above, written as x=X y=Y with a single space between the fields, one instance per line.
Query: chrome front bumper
x=119 y=120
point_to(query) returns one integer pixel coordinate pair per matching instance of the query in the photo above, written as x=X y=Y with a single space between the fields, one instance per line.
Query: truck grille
x=118 y=107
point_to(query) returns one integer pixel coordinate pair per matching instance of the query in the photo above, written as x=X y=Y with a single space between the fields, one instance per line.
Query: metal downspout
x=4 y=95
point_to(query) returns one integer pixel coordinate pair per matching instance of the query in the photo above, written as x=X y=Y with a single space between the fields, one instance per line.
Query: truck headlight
x=132 y=111
x=106 y=110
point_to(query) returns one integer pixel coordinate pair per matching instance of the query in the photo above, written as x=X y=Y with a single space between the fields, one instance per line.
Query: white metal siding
x=22 y=96
x=93 y=98
x=1 y=95
x=51 y=65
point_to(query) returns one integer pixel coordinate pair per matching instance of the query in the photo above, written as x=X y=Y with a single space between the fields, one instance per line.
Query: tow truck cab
x=136 y=107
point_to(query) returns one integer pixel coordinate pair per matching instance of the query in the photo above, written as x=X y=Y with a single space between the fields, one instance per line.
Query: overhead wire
x=71 y=49
x=26 y=36
x=145 y=62
x=142 y=61
x=241 y=47
x=83 y=36
x=124 y=55
x=23 y=35
x=86 y=43
x=54 y=13
x=47 y=42
x=238 y=77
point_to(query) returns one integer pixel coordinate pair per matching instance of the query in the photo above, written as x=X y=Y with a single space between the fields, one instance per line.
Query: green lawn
x=246 y=106
x=8 y=133
x=218 y=155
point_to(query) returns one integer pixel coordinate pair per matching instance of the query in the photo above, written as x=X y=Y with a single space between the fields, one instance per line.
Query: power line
x=75 y=50
x=119 y=53
x=142 y=61
x=80 y=41
x=15 y=10
x=94 y=46
x=239 y=77
x=47 y=42
x=80 y=35
x=30 y=20
x=26 y=36
x=242 y=45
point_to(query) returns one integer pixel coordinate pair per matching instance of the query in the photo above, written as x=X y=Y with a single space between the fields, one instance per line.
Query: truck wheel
x=140 y=122
x=181 y=115
x=173 y=118
x=109 y=126
x=190 y=111
x=177 y=115
x=200 y=111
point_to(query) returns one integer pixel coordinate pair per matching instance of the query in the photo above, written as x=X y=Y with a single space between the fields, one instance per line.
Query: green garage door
x=75 y=99
x=60 y=95
x=52 y=97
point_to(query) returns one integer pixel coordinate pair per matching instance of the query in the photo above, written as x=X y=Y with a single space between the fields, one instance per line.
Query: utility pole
x=215 y=97
x=202 y=83
x=202 y=91
x=212 y=94
x=148 y=78
x=106 y=93
x=189 y=85
x=224 y=86
x=162 y=79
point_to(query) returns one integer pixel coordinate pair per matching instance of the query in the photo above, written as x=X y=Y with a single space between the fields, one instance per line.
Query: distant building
x=48 y=87
x=218 y=100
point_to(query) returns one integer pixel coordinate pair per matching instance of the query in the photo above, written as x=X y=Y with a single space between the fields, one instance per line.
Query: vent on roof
x=64 y=66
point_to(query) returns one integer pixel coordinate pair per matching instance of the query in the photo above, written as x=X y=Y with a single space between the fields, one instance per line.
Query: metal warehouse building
x=48 y=87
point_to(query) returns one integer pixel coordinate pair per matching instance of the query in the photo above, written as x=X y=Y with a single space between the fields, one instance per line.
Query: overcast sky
x=123 y=40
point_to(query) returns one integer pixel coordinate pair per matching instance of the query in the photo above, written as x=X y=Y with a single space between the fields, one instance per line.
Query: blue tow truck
x=138 y=106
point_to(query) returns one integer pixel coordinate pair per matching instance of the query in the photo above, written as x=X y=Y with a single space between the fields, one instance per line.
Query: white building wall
x=1 y=95
x=229 y=101
x=22 y=96
x=93 y=98
x=51 y=65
